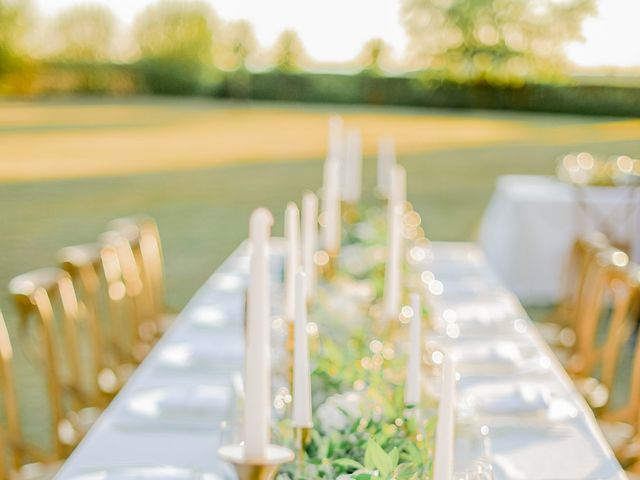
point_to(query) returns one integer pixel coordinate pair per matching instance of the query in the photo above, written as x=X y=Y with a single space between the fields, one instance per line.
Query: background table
x=212 y=321
x=532 y=221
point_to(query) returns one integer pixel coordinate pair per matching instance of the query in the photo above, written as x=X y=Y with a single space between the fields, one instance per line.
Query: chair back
x=11 y=436
x=624 y=320
x=46 y=301
x=84 y=264
x=576 y=274
x=133 y=325
x=605 y=298
x=144 y=237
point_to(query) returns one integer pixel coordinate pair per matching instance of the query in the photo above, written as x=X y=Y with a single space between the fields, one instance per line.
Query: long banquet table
x=170 y=412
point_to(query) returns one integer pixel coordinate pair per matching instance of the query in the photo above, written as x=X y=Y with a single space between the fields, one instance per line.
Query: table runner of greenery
x=362 y=428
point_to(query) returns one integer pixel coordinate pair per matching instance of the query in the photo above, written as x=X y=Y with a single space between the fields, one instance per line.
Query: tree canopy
x=373 y=55
x=175 y=29
x=239 y=44
x=288 y=51
x=14 y=21
x=493 y=40
x=85 y=33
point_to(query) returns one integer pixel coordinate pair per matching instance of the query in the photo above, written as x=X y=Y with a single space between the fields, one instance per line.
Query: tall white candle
x=335 y=140
x=331 y=206
x=301 y=372
x=352 y=171
x=393 y=269
x=386 y=161
x=292 y=239
x=401 y=192
x=257 y=359
x=413 y=382
x=445 y=428
x=310 y=240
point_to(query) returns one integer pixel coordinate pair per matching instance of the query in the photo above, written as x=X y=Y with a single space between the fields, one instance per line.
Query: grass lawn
x=199 y=167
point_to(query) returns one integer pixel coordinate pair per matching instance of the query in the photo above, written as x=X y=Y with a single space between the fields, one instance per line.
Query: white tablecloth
x=572 y=449
x=532 y=221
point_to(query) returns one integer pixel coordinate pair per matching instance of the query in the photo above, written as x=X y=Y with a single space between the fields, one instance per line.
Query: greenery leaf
x=349 y=464
x=380 y=459
x=394 y=456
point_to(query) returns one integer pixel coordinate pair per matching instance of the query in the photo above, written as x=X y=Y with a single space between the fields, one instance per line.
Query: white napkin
x=504 y=353
x=227 y=282
x=199 y=400
x=485 y=313
x=522 y=398
x=209 y=315
x=184 y=354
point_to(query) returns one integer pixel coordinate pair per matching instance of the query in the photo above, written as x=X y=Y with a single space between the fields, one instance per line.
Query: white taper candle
x=335 y=141
x=352 y=171
x=413 y=382
x=257 y=377
x=386 y=161
x=331 y=206
x=292 y=239
x=445 y=428
x=301 y=371
x=310 y=240
x=393 y=269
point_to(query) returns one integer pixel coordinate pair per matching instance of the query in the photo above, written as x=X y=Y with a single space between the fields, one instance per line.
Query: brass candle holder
x=327 y=263
x=350 y=212
x=290 y=352
x=302 y=439
x=256 y=469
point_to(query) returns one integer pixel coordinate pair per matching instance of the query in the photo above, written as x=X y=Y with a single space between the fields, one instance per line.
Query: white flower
x=339 y=411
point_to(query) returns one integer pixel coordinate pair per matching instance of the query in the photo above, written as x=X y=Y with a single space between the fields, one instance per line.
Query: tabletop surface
x=170 y=411
x=550 y=188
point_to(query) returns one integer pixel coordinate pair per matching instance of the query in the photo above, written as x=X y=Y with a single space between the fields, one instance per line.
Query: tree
x=493 y=40
x=373 y=55
x=14 y=21
x=85 y=33
x=175 y=41
x=176 y=29
x=240 y=43
x=288 y=51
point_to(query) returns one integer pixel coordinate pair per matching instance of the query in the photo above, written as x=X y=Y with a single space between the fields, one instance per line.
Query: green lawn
x=202 y=213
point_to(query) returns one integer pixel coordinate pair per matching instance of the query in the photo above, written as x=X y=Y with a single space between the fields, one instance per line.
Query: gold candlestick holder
x=327 y=263
x=302 y=439
x=350 y=212
x=256 y=469
x=290 y=352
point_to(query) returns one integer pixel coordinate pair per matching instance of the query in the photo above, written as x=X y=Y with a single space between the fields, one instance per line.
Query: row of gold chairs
x=87 y=323
x=592 y=329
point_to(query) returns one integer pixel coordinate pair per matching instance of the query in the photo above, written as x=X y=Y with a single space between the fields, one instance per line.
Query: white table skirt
x=573 y=450
x=532 y=221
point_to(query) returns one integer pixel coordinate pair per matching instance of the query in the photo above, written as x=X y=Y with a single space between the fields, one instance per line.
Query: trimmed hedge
x=165 y=77
x=410 y=91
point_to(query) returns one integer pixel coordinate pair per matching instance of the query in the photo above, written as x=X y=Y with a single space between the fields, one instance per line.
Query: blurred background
x=195 y=112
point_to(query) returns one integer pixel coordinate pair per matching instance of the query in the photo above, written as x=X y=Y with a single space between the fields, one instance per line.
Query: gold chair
x=84 y=263
x=134 y=326
x=559 y=329
x=603 y=300
x=144 y=237
x=18 y=459
x=622 y=425
x=47 y=303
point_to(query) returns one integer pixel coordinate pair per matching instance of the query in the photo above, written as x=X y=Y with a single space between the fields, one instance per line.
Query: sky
x=330 y=33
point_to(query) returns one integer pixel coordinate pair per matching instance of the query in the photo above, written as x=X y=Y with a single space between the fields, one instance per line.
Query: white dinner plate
x=201 y=406
x=224 y=355
x=144 y=473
